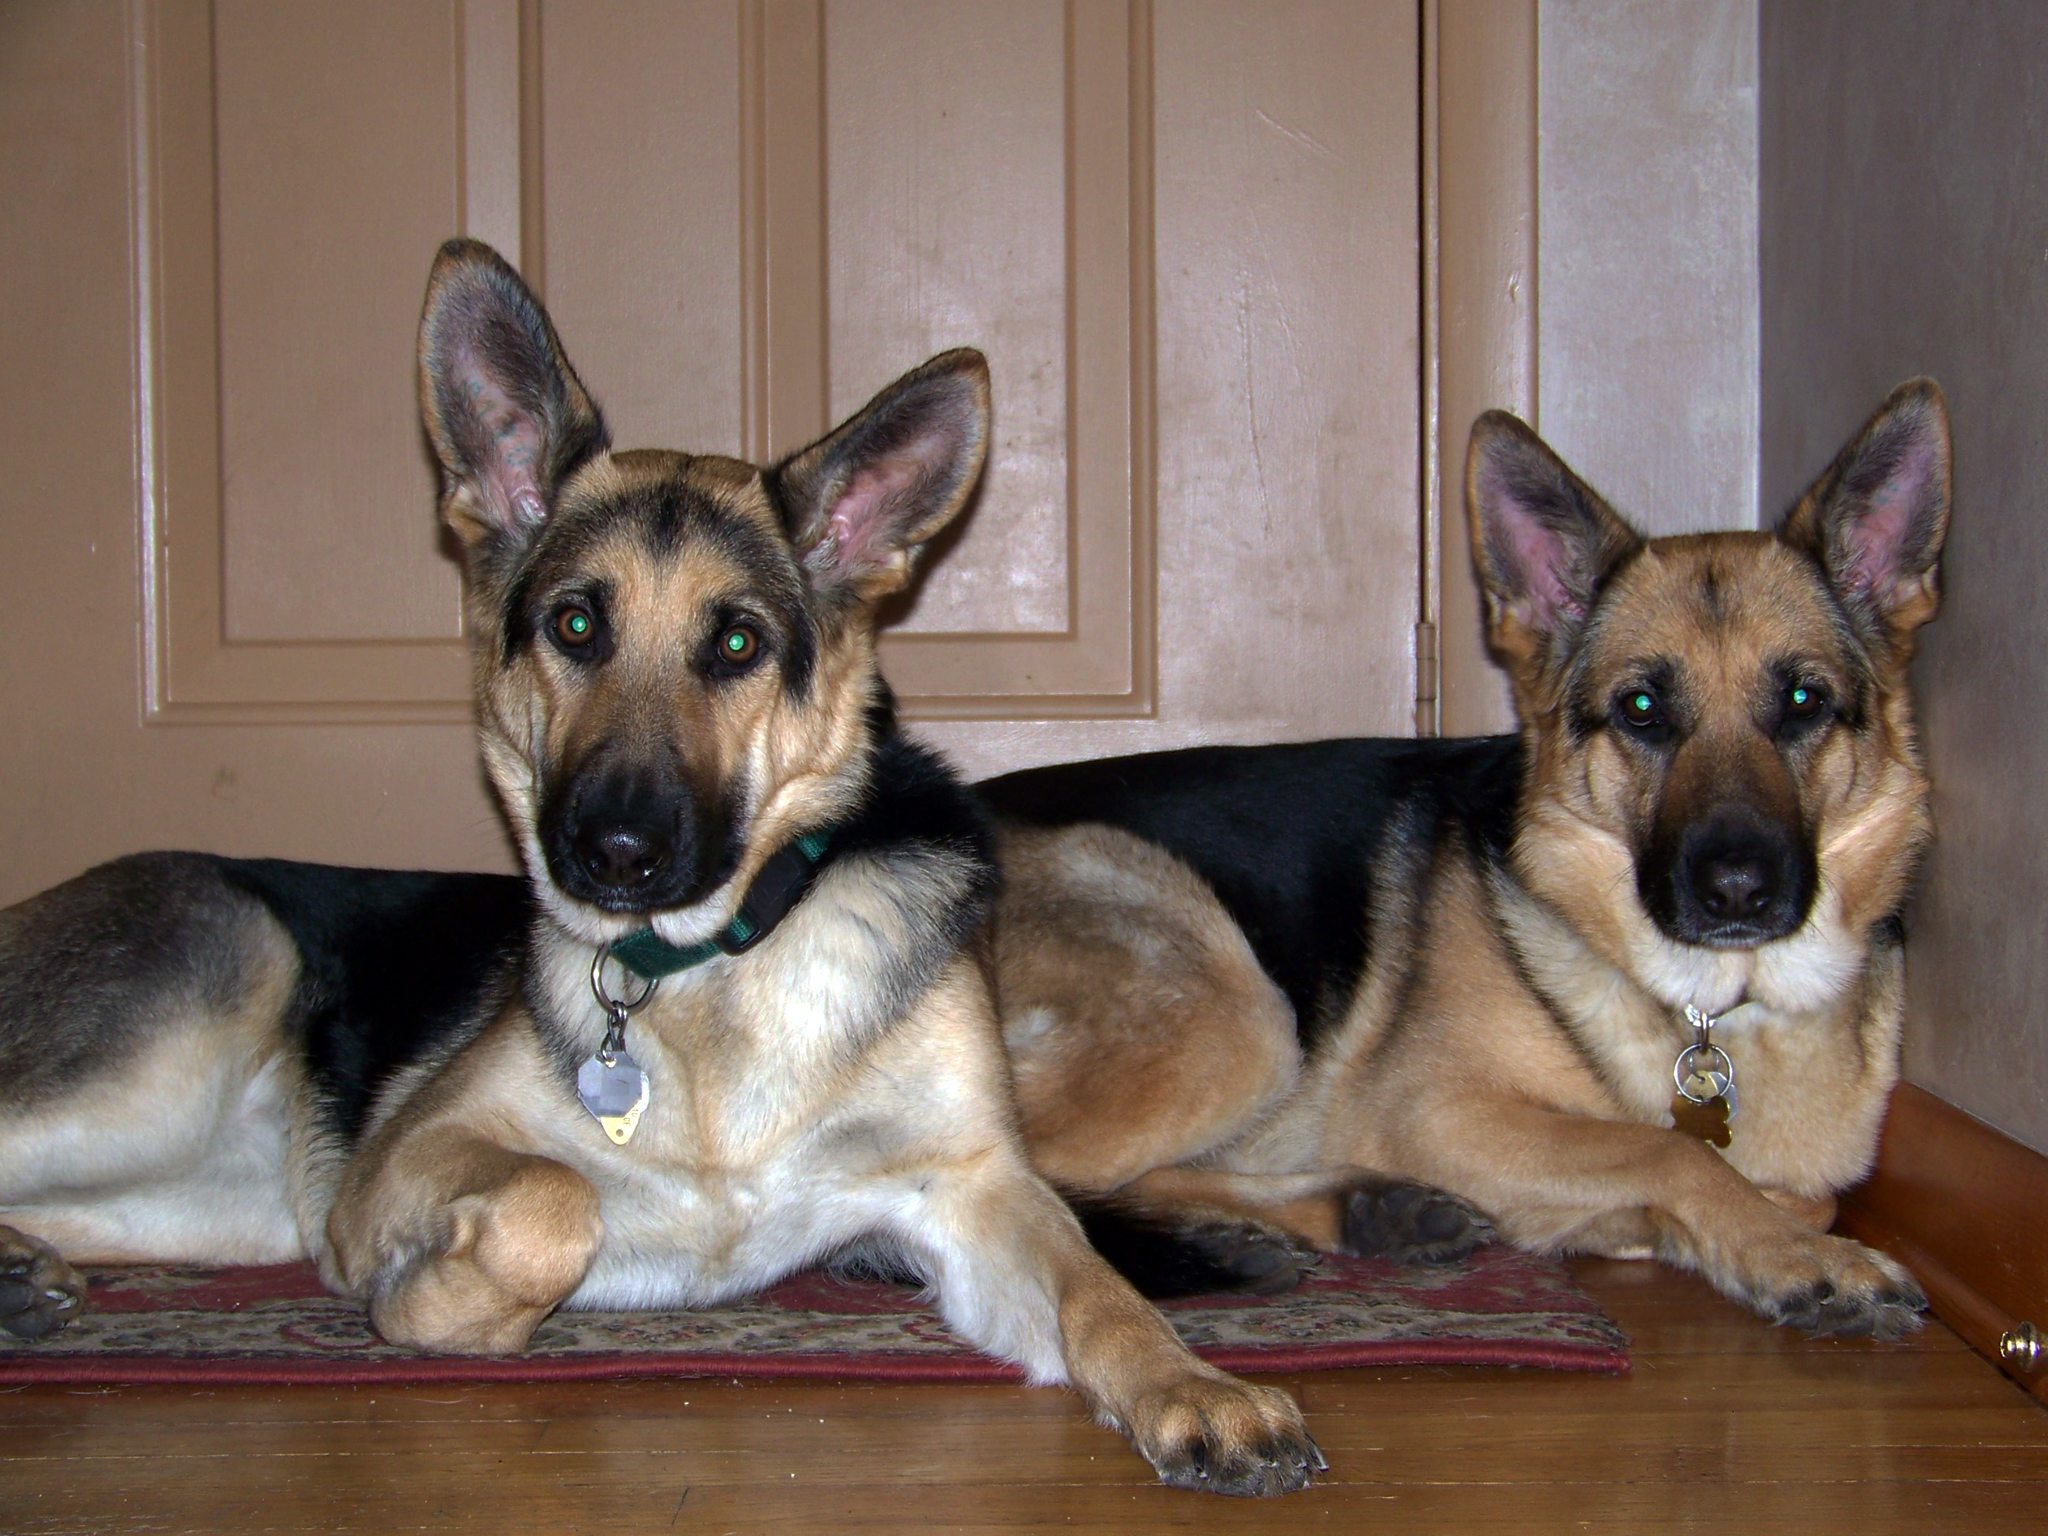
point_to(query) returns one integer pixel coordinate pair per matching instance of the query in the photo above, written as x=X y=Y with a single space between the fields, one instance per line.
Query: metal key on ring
x=1705 y=1078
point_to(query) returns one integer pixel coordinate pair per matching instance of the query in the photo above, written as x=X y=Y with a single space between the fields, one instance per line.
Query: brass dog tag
x=614 y=1090
x=1708 y=1121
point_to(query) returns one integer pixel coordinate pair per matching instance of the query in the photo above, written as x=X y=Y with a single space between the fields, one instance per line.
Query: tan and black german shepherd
x=1630 y=984
x=731 y=1023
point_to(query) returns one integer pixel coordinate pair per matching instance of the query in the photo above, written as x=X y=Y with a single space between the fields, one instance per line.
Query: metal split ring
x=1682 y=1070
x=605 y=1000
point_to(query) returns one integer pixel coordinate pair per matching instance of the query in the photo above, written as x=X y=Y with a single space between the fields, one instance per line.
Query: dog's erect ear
x=1542 y=538
x=508 y=418
x=863 y=500
x=1877 y=518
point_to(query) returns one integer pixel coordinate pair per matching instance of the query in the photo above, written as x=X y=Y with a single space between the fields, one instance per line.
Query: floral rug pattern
x=277 y=1325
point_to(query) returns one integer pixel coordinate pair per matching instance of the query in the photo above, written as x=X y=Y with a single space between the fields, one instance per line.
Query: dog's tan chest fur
x=1810 y=1083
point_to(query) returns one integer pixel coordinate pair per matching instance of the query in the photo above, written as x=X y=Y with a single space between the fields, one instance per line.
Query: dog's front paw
x=1216 y=1434
x=39 y=1292
x=1387 y=1218
x=1832 y=1286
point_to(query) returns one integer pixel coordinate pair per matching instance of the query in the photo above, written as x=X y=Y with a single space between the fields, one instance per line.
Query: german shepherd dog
x=731 y=1024
x=1629 y=984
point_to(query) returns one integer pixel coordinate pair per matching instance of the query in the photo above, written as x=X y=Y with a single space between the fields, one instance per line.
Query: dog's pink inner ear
x=868 y=523
x=509 y=475
x=1883 y=547
x=1533 y=557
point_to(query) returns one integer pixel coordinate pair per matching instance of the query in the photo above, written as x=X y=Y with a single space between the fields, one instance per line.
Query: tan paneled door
x=1189 y=236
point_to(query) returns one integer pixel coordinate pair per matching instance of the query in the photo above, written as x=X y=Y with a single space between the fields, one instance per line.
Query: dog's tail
x=1167 y=1254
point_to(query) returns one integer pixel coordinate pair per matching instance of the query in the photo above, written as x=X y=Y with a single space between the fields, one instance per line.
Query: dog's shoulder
x=910 y=883
x=916 y=811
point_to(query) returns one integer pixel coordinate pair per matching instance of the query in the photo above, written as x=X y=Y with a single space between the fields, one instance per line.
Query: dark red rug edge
x=158 y=1370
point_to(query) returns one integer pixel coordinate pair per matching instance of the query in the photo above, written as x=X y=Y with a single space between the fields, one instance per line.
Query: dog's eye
x=575 y=626
x=1803 y=705
x=1803 y=701
x=738 y=646
x=1639 y=707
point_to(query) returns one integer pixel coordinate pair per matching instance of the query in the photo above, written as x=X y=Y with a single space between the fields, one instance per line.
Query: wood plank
x=1960 y=1205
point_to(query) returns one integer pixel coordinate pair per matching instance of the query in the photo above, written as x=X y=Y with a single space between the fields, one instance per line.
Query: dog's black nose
x=631 y=835
x=1736 y=885
x=1730 y=878
x=622 y=857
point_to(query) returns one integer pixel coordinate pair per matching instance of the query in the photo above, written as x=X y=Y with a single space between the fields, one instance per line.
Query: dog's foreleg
x=461 y=1246
x=1554 y=1180
x=1016 y=1277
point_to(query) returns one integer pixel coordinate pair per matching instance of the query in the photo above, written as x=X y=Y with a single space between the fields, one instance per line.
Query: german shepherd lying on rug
x=730 y=1025
x=1630 y=984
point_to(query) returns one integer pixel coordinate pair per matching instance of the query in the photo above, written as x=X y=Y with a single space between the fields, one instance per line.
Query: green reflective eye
x=575 y=626
x=738 y=644
x=1803 y=702
x=1640 y=707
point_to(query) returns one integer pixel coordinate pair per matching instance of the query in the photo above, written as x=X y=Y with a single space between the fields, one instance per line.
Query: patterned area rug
x=276 y=1325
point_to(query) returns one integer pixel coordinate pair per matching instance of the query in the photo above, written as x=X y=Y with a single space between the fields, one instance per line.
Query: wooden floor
x=1726 y=1424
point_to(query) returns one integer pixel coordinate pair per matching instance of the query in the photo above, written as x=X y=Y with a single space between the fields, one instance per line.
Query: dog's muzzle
x=1732 y=880
x=628 y=840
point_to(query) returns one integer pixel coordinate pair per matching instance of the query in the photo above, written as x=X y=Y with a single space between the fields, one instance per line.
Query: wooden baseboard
x=1966 y=1209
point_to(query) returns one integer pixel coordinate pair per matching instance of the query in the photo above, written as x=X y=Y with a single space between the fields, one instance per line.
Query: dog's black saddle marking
x=395 y=964
x=1287 y=836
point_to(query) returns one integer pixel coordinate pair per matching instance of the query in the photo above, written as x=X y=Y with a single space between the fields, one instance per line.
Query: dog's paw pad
x=1400 y=1219
x=39 y=1292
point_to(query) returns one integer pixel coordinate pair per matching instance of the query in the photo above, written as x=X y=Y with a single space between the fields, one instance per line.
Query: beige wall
x=1905 y=230
x=1646 y=273
x=1647 y=254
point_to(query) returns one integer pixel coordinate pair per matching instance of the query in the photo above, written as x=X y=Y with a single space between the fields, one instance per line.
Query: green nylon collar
x=776 y=889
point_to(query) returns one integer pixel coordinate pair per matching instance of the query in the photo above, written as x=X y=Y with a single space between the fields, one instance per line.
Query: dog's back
x=1292 y=839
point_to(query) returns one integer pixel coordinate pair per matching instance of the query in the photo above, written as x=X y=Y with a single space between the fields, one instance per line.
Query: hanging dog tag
x=1705 y=1101
x=614 y=1090
x=1708 y=1121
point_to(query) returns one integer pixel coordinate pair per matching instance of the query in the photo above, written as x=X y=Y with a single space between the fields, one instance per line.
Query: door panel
x=640 y=213
x=328 y=122
x=946 y=182
x=1188 y=239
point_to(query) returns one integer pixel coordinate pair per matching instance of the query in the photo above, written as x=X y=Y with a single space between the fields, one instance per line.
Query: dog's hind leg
x=1342 y=1210
x=148 y=1091
x=39 y=1292
x=1141 y=1030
